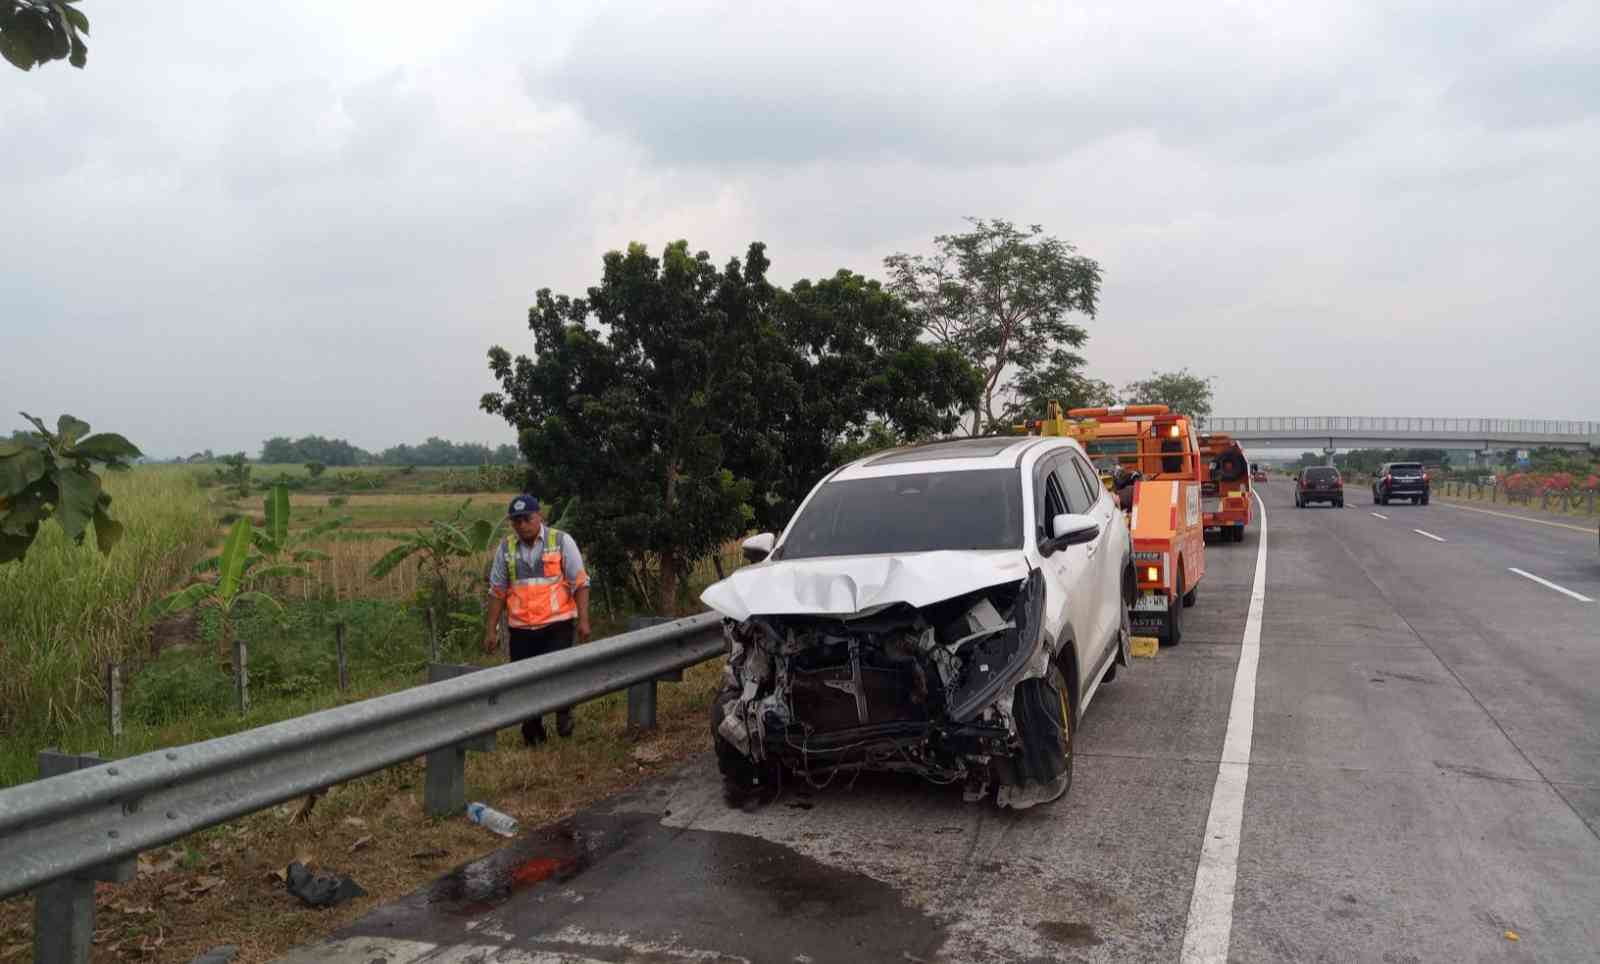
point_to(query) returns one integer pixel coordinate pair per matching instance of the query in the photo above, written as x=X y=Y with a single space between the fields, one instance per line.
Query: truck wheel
x=1190 y=597
x=1174 y=623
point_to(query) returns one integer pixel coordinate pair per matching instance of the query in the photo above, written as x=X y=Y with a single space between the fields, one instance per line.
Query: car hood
x=846 y=585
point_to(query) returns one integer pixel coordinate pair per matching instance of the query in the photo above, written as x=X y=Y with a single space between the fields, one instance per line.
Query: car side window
x=1072 y=486
x=1055 y=503
x=1089 y=479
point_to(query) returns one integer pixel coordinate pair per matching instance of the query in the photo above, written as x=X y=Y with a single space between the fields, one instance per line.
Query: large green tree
x=1181 y=391
x=35 y=32
x=683 y=402
x=1003 y=297
x=841 y=360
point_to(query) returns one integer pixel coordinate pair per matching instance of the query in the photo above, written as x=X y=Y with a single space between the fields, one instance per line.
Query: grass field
x=65 y=610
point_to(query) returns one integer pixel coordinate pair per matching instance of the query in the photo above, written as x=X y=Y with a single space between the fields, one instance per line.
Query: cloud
x=317 y=217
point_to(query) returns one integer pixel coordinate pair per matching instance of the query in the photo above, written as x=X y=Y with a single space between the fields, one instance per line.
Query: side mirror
x=1070 y=530
x=757 y=548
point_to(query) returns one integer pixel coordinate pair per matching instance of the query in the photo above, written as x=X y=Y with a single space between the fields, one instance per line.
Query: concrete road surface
x=1415 y=772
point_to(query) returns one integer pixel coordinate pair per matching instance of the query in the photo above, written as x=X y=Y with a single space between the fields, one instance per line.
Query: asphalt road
x=1423 y=777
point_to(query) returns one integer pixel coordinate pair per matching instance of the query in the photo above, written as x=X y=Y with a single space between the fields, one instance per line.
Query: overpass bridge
x=1328 y=433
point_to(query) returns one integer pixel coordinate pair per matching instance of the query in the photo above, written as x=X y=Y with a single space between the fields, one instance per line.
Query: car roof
x=956 y=455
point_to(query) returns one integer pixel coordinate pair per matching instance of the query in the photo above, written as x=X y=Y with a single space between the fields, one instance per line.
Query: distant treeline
x=339 y=452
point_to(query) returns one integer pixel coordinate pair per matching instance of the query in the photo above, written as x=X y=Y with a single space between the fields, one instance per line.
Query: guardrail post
x=63 y=910
x=642 y=696
x=444 y=786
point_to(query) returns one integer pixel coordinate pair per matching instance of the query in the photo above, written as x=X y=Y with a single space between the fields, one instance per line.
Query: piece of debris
x=203 y=885
x=646 y=754
x=429 y=854
x=1513 y=936
x=320 y=889
x=1144 y=646
x=356 y=822
x=221 y=954
x=360 y=843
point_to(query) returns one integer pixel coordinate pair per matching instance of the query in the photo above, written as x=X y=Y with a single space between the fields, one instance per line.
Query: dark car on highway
x=1319 y=483
x=1400 y=480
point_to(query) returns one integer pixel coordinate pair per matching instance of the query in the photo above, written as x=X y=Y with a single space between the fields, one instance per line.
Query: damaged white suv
x=946 y=610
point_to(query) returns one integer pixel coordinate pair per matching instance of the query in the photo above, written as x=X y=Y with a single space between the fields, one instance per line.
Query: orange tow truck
x=1225 y=486
x=1151 y=459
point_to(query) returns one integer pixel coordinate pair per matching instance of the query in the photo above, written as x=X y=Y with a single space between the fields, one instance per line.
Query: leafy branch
x=51 y=475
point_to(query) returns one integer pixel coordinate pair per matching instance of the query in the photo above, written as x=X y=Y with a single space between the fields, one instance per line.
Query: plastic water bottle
x=486 y=816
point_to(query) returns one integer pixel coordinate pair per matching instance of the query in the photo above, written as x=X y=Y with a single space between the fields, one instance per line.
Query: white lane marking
x=1519 y=518
x=1428 y=534
x=1580 y=597
x=1210 y=924
x=1383 y=517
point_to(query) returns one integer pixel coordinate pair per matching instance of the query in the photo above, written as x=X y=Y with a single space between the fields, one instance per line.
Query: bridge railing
x=1347 y=424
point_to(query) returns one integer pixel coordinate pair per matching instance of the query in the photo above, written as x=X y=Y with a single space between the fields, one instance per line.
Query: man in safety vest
x=537 y=580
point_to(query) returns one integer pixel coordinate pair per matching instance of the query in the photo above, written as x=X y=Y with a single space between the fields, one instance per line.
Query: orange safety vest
x=540 y=599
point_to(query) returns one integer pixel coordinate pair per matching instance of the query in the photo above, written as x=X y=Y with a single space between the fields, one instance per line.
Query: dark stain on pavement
x=1408 y=677
x=1071 y=933
x=649 y=886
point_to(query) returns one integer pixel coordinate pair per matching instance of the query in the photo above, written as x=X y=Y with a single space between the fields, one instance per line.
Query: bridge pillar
x=1327 y=453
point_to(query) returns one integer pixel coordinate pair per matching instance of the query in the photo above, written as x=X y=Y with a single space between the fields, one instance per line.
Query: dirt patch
x=178 y=631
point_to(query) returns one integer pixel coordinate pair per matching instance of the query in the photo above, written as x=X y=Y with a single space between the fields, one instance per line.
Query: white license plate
x=1152 y=603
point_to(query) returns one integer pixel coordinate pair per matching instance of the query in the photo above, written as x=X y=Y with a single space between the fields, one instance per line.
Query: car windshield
x=978 y=509
x=1322 y=475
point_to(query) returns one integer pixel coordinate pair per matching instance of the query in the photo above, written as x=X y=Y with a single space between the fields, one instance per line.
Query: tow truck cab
x=1161 y=452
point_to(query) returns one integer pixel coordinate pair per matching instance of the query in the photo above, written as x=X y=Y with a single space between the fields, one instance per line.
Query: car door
x=1107 y=558
x=1088 y=619
x=1068 y=568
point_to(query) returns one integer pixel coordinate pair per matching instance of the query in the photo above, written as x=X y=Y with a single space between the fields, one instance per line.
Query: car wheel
x=743 y=779
x=1124 y=640
x=1173 y=627
x=1046 y=723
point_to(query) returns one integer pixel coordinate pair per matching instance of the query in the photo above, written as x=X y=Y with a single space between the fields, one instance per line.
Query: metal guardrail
x=1317 y=424
x=68 y=826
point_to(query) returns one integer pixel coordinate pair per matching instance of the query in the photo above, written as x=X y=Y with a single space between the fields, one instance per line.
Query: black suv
x=1319 y=483
x=1400 y=480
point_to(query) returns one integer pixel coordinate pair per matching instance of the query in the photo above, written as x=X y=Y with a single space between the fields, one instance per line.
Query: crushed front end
x=961 y=691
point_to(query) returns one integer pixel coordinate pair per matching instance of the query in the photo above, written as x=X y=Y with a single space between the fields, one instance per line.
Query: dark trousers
x=527 y=643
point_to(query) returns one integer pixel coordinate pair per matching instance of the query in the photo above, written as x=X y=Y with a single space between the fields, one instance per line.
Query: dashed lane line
x=1580 y=597
x=1429 y=535
x=1210 y=923
x=1379 y=516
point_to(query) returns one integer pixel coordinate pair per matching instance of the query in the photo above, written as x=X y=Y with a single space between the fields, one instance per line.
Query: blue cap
x=522 y=505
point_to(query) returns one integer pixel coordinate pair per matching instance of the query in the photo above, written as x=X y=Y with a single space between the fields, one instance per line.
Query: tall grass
x=66 y=610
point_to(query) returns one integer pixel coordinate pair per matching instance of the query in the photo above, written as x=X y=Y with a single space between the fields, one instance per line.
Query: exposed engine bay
x=965 y=690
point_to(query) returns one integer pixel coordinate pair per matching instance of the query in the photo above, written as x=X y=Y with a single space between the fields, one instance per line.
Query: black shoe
x=564 y=724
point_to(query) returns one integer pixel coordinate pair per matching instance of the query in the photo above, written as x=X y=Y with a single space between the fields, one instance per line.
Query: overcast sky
x=249 y=218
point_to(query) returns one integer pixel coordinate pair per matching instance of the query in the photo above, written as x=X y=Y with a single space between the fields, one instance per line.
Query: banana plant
x=50 y=475
x=273 y=542
x=235 y=582
x=435 y=546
